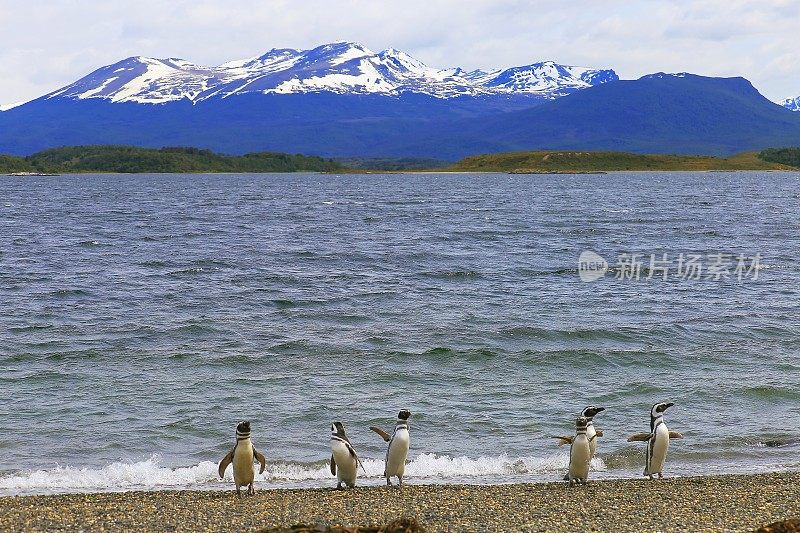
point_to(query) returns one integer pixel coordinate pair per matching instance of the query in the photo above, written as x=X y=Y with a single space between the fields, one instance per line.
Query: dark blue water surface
x=142 y=316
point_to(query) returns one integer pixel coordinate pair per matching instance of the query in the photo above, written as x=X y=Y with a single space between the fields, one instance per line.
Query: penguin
x=589 y=412
x=344 y=461
x=657 y=440
x=580 y=454
x=397 y=452
x=242 y=456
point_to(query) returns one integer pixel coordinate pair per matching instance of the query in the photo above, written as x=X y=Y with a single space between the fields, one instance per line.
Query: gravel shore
x=713 y=503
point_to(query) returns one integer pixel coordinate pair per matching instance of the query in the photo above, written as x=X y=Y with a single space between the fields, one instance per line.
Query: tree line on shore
x=130 y=159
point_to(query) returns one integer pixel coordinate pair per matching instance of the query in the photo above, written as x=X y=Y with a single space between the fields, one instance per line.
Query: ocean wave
x=768 y=392
x=567 y=334
x=150 y=474
x=67 y=293
x=562 y=271
x=32 y=327
x=453 y=274
x=188 y=271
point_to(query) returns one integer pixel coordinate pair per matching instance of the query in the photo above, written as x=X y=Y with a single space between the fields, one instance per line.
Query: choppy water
x=143 y=316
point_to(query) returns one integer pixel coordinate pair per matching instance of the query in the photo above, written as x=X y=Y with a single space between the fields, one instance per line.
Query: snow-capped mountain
x=792 y=104
x=341 y=68
x=6 y=107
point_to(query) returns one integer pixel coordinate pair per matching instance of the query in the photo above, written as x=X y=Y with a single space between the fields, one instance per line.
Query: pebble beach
x=708 y=503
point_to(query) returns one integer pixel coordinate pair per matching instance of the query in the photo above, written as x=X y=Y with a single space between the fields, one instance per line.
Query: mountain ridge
x=341 y=67
x=658 y=113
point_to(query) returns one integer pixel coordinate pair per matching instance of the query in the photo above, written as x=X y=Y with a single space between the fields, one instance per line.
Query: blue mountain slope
x=658 y=114
x=314 y=123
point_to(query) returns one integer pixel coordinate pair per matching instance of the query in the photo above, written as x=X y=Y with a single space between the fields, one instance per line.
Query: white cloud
x=45 y=45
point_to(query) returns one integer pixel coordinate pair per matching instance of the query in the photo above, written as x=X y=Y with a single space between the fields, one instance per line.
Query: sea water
x=143 y=316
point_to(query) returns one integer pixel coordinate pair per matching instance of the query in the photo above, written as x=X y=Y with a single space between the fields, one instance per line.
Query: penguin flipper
x=675 y=435
x=563 y=440
x=333 y=465
x=355 y=456
x=228 y=459
x=361 y=465
x=258 y=456
x=640 y=437
x=381 y=432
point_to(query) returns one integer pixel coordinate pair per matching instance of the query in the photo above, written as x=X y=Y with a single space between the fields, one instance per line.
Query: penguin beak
x=667 y=405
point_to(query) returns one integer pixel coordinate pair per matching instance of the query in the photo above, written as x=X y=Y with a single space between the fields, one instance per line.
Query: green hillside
x=9 y=163
x=128 y=159
x=557 y=161
x=784 y=156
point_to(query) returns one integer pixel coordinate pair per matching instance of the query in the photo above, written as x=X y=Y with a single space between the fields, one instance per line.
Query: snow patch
x=792 y=104
x=6 y=107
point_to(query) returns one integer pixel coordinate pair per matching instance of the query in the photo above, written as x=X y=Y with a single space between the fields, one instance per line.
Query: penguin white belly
x=591 y=434
x=346 y=465
x=243 y=472
x=579 y=458
x=397 y=453
x=657 y=450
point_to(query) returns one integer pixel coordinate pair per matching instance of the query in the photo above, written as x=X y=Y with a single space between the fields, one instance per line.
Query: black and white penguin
x=657 y=440
x=592 y=433
x=344 y=461
x=397 y=452
x=242 y=456
x=589 y=412
x=580 y=454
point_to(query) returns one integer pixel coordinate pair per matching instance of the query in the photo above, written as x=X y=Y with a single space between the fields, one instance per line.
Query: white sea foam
x=151 y=475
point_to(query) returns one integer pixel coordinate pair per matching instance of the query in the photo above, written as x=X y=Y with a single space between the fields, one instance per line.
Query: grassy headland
x=713 y=503
x=559 y=161
x=110 y=158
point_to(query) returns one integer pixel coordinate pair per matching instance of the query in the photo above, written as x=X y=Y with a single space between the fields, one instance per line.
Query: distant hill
x=128 y=159
x=662 y=114
x=568 y=161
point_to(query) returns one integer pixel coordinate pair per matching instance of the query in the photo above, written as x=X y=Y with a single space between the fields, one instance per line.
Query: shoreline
x=714 y=503
x=357 y=172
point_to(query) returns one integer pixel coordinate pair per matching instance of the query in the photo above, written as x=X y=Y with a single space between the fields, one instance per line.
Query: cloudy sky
x=46 y=44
